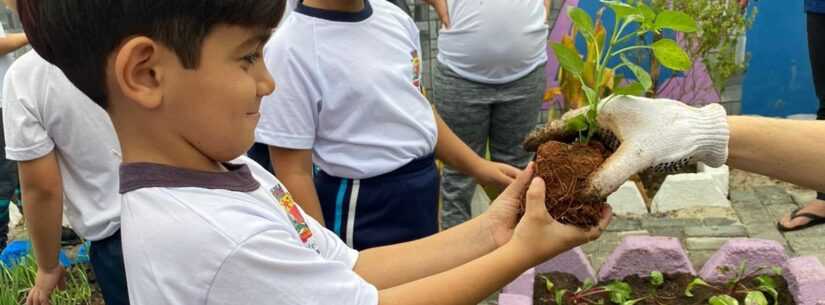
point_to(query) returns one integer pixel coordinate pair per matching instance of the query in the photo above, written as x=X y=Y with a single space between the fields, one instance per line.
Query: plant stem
x=630 y=48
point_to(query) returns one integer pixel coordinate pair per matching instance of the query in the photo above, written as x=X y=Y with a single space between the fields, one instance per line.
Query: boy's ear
x=139 y=72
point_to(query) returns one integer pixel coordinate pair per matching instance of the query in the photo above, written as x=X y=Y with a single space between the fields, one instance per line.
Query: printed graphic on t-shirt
x=416 y=62
x=286 y=201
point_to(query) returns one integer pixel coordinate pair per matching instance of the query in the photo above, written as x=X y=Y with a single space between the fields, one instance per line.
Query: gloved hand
x=654 y=133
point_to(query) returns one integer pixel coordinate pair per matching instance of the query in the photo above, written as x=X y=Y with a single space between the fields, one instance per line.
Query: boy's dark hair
x=78 y=36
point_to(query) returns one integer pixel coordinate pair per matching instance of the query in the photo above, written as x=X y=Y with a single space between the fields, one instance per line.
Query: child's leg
x=396 y=207
x=462 y=105
x=515 y=116
x=816 y=50
x=106 y=257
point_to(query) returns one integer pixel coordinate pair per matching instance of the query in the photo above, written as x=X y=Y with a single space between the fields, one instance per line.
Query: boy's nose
x=266 y=85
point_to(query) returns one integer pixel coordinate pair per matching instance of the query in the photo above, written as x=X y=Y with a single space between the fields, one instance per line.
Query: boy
x=68 y=156
x=8 y=168
x=374 y=137
x=182 y=82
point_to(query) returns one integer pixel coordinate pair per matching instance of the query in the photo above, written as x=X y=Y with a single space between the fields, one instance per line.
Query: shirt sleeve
x=24 y=124
x=289 y=116
x=271 y=266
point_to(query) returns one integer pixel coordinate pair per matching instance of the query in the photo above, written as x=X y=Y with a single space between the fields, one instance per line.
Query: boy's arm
x=293 y=167
x=440 y=7
x=12 y=42
x=452 y=151
x=42 y=192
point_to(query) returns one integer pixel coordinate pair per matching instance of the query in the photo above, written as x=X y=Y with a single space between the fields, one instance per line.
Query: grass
x=16 y=281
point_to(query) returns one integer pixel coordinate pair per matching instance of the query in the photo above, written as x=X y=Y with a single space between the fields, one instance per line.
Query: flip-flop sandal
x=813 y=220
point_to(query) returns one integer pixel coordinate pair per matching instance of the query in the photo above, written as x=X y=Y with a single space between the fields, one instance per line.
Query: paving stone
x=806 y=243
x=639 y=255
x=772 y=195
x=752 y=213
x=627 y=200
x=716 y=231
x=651 y=222
x=522 y=285
x=513 y=299
x=767 y=232
x=820 y=255
x=743 y=196
x=705 y=243
x=676 y=232
x=778 y=210
x=624 y=234
x=757 y=253
x=573 y=262
x=699 y=258
x=718 y=221
x=806 y=277
x=688 y=191
x=624 y=224
x=815 y=231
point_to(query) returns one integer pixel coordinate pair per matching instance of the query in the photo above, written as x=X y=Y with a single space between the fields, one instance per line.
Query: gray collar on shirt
x=135 y=176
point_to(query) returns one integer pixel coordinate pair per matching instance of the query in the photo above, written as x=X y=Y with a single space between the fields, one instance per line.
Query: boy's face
x=215 y=107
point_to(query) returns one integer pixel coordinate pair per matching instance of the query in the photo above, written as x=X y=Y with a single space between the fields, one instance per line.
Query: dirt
x=565 y=169
x=672 y=292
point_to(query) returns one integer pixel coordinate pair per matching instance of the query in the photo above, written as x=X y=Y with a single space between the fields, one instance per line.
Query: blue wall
x=778 y=81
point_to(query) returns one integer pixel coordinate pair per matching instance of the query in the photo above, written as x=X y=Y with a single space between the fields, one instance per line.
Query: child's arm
x=12 y=42
x=293 y=167
x=440 y=7
x=42 y=192
x=443 y=269
x=452 y=151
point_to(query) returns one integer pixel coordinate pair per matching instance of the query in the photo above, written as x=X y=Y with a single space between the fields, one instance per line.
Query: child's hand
x=539 y=235
x=503 y=214
x=496 y=174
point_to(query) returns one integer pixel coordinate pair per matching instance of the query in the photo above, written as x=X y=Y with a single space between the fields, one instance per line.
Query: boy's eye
x=252 y=58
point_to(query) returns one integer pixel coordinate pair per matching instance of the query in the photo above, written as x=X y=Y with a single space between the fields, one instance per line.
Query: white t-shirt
x=348 y=87
x=44 y=112
x=192 y=237
x=5 y=59
x=494 y=41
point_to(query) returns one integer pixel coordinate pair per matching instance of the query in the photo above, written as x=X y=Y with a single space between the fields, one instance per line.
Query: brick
x=639 y=255
x=716 y=231
x=755 y=252
x=806 y=277
x=752 y=213
x=627 y=200
x=522 y=285
x=705 y=243
x=718 y=221
x=776 y=211
x=650 y=222
x=699 y=258
x=619 y=224
x=772 y=195
x=573 y=262
x=806 y=243
x=688 y=191
x=743 y=196
x=676 y=232
x=514 y=299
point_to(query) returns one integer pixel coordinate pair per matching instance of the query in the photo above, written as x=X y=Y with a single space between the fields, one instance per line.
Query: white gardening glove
x=654 y=133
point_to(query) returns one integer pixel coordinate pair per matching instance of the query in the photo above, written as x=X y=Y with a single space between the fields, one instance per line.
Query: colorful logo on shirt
x=416 y=63
x=293 y=212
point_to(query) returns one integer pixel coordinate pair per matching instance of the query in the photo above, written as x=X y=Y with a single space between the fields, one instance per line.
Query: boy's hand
x=496 y=174
x=44 y=284
x=539 y=235
x=502 y=216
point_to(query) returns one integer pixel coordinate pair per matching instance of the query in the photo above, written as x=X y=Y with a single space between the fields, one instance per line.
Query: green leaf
x=592 y=99
x=621 y=9
x=770 y=290
x=648 y=15
x=776 y=270
x=766 y=280
x=588 y=283
x=641 y=75
x=577 y=124
x=634 y=89
x=631 y=302
x=560 y=296
x=671 y=55
x=568 y=58
x=696 y=282
x=581 y=19
x=548 y=284
x=619 y=292
x=756 y=298
x=723 y=300
x=675 y=20
x=657 y=278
